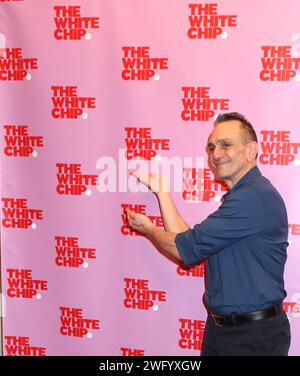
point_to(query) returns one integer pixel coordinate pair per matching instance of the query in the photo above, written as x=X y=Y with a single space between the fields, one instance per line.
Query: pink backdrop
x=81 y=80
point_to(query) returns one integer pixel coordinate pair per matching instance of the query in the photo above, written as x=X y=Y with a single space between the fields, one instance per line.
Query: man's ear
x=252 y=151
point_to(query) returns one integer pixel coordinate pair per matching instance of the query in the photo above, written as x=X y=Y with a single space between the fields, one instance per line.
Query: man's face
x=227 y=152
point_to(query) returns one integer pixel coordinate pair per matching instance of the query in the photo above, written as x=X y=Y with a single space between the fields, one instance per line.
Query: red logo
x=140 y=144
x=18 y=215
x=294 y=229
x=126 y=230
x=73 y=324
x=22 y=285
x=139 y=65
x=139 y=296
x=195 y=271
x=131 y=352
x=278 y=64
x=277 y=148
x=69 y=254
x=292 y=307
x=206 y=23
x=67 y=104
x=20 y=346
x=200 y=185
x=14 y=67
x=70 y=25
x=191 y=334
x=71 y=181
x=19 y=143
x=199 y=106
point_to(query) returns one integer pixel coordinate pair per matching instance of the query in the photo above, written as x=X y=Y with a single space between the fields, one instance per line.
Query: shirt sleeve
x=241 y=215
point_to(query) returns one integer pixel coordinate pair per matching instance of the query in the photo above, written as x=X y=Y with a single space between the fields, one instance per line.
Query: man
x=244 y=244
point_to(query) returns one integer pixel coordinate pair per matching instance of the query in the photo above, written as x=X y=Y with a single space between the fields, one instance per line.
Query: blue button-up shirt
x=244 y=243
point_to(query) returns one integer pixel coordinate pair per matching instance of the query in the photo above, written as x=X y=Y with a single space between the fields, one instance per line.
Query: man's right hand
x=156 y=183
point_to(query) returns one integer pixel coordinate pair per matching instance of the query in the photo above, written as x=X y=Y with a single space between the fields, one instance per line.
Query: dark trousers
x=266 y=337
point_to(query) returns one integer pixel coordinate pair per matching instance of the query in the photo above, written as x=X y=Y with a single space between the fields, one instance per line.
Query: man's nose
x=218 y=153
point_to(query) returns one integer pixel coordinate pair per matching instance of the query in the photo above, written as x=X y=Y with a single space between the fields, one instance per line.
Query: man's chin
x=220 y=176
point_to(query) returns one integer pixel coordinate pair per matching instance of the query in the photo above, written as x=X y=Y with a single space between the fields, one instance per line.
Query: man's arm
x=172 y=220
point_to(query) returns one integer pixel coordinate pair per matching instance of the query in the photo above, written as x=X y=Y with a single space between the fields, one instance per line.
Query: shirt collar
x=249 y=176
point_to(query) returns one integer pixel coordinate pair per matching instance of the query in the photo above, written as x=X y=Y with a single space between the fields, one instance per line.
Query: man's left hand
x=139 y=222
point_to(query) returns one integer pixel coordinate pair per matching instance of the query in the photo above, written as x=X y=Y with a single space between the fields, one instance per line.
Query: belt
x=242 y=318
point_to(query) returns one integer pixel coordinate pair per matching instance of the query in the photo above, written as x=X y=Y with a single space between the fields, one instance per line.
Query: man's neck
x=231 y=183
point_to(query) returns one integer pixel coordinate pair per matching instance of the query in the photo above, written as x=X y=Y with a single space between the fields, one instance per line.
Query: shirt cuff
x=185 y=249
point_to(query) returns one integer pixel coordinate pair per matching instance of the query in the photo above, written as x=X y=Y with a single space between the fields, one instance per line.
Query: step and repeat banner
x=91 y=90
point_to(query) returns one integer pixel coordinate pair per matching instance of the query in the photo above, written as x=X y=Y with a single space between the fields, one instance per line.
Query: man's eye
x=225 y=145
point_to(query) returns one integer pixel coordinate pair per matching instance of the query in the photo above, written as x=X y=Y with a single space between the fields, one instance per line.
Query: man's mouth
x=219 y=163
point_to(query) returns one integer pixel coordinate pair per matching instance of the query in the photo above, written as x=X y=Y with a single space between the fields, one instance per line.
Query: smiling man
x=244 y=244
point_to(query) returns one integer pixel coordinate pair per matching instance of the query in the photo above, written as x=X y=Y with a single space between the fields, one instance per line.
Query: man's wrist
x=161 y=195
